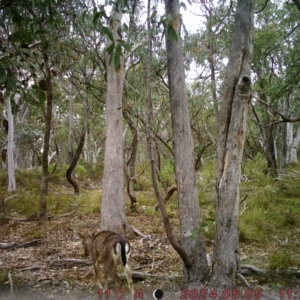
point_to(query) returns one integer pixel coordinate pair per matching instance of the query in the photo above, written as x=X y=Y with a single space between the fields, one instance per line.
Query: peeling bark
x=231 y=138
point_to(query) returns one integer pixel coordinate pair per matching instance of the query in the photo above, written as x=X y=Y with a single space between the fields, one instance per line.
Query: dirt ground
x=51 y=265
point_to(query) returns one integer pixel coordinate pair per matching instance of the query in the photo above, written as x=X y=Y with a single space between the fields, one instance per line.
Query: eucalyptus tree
x=117 y=52
x=36 y=32
x=80 y=45
x=196 y=268
x=11 y=68
x=230 y=145
x=276 y=69
x=10 y=148
x=208 y=50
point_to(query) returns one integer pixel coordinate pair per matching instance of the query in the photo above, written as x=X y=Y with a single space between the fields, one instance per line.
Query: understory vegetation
x=269 y=212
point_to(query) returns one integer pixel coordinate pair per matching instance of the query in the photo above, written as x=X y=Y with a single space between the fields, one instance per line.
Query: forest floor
x=46 y=260
x=51 y=266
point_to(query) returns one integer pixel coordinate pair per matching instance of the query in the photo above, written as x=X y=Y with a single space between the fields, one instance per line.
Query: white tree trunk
x=293 y=143
x=10 y=148
x=112 y=204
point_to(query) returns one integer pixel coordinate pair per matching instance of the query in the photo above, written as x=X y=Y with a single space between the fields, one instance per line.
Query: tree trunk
x=69 y=173
x=151 y=150
x=284 y=137
x=87 y=119
x=269 y=148
x=10 y=160
x=211 y=59
x=112 y=205
x=230 y=146
x=130 y=164
x=21 y=153
x=48 y=120
x=293 y=143
x=134 y=147
x=71 y=125
x=189 y=210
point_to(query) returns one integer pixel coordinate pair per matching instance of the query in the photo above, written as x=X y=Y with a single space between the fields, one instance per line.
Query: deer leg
x=105 y=279
x=96 y=269
x=115 y=277
x=128 y=275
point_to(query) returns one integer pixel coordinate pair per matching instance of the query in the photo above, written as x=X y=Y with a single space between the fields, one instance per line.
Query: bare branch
x=264 y=6
x=284 y=117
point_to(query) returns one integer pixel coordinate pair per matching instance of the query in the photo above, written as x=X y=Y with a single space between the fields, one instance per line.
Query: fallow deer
x=109 y=249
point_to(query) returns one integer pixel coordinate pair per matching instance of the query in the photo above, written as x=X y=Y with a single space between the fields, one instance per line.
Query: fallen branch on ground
x=244 y=280
x=31 y=268
x=10 y=197
x=34 y=217
x=71 y=261
x=144 y=236
x=18 y=245
x=245 y=269
x=141 y=276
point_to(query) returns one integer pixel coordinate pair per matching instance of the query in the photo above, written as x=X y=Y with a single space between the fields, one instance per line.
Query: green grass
x=280 y=261
x=269 y=220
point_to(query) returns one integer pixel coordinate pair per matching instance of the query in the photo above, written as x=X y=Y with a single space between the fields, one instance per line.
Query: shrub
x=280 y=261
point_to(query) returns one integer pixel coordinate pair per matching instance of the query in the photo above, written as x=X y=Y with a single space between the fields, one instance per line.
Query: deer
x=109 y=249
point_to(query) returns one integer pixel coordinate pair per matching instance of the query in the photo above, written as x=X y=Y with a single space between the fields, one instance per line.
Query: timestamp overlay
x=223 y=294
x=206 y=293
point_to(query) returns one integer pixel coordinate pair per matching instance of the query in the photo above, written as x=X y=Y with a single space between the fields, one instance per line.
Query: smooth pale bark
x=293 y=143
x=284 y=148
x=112 y=204
x=230 y=146
x=152 y=155
x=10 y=161
x=189 y=211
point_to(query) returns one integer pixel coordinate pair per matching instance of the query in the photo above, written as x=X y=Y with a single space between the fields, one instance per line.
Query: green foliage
x=255 y=226
x=96 y=171
x=144 y=182
x=270 y=206
x=280 y=261
x=172 y=23
x=90 y=202
x=26 y=204
x=35 y=234
x=146 y=198
x=208 y=225
x=81 y=171
x=3 y=278
x=149 y=211
x=166 y=175
x=253 y=169
x=105 y=30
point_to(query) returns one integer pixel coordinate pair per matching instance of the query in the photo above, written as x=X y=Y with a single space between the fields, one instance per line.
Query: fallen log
x=11 y=245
